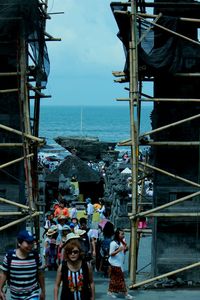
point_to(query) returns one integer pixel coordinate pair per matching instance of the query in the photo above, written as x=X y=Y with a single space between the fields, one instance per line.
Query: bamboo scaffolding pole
x=149 y=29
x=171 y=174
x=15 y=161
x=24 y=103
x=164 y=275
x=29 y=136
x=169 y=204
x=170 y=31
x=181 y=18
x=8 y=91
x=12 y=213
x=187 y=74
x=11 y=144
x=157 y=4
x=171 y=99
x=178 y=214
x=9 y=74
x=133 y=93
x=19 y=221
x=126 y=142
x=164 y=143
x=167 y=143
x=170 y=125
x=14 y=203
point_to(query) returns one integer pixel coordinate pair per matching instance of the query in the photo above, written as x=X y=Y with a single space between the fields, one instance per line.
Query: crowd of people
x=73 y=247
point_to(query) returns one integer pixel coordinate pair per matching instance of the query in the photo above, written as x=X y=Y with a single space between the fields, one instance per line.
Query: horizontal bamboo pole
x=11 y=213
x=155 y=16
x=164 y=143
x=167 y=143
x=9 y=74
x=187 y=74
x=158 y=208
x=19 y=221
x=170 y=125
x=170 y=99
x=170 y=174
x=8 y=91
x=29 y=136
x=15 y=161
x=14 y=203
x=164 y=275
x=178 y=214
x=11 y=144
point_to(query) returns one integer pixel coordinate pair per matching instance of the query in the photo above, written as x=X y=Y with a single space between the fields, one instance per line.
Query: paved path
x=101 y=283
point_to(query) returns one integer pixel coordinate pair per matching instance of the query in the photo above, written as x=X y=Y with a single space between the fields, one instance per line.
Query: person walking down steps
x=117 y=251
x=22 y=269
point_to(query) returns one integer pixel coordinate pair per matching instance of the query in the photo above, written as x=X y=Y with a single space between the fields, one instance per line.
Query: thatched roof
x=74 y=166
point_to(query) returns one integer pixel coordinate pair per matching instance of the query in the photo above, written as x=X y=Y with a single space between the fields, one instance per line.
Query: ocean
x=108 y=123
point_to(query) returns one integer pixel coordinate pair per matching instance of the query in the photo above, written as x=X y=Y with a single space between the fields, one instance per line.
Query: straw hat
x=62 y=217
x=71 y=236
x=50 y=232
x=66 y=227
x=80 y=232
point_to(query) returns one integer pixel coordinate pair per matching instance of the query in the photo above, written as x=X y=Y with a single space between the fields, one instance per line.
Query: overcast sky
x=81 y=64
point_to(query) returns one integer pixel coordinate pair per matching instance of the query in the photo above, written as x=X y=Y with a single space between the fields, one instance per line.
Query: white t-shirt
x=90 y=209
x=118 y=259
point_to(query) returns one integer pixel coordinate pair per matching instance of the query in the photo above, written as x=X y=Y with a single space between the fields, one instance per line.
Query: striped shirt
x=23 y=276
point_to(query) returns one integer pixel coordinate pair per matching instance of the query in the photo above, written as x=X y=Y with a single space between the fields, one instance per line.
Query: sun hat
x=71 y=236
x=80 y=232
x=62 y=217
x=26 y=236
x=54 y=227
x=66 y=227
x=50 y=232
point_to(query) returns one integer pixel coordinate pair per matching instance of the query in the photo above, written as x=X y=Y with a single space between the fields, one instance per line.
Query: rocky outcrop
x=88 y=148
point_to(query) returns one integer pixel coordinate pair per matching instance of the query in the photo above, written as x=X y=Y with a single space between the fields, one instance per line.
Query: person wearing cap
x=74 y=273
x=23 y=268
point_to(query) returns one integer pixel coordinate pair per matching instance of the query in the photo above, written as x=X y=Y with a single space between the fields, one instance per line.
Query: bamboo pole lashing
x=164 y=275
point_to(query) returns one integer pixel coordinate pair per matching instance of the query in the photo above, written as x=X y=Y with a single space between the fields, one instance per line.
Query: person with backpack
x=74 y=273
x=22 y=269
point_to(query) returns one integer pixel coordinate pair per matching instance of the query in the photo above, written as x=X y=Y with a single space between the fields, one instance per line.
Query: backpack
x=10 y=257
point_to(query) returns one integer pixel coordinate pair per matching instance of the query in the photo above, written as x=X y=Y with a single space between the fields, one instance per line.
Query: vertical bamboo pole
x=25 y=111
x=134 y=152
